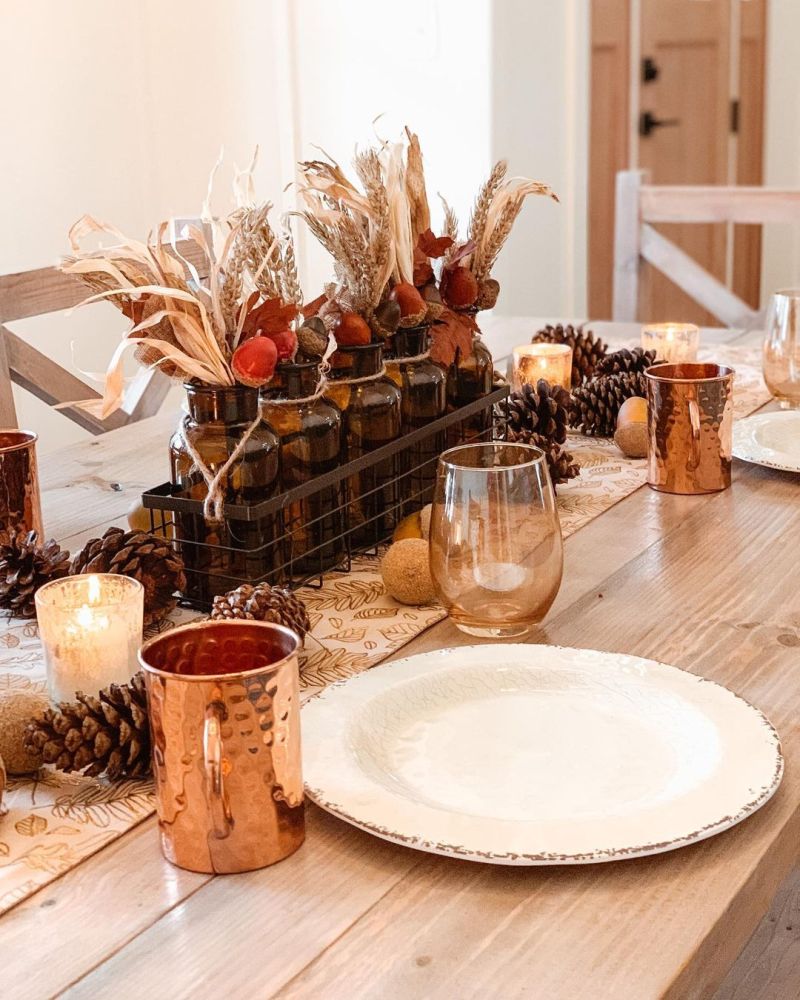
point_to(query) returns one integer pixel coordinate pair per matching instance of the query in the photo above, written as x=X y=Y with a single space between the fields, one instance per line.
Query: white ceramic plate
x=771 y=439
x=537 y=755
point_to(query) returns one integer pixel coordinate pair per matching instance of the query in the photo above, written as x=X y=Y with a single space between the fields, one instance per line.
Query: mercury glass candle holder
x=552 y=362
x=91 y=629
x=674 y=343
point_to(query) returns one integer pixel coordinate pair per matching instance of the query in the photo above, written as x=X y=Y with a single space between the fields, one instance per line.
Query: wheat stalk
x=480 y=210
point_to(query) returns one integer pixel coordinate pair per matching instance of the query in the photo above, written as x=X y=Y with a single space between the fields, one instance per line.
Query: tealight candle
x=91 y=629
x=552 y=362
x=672 y=342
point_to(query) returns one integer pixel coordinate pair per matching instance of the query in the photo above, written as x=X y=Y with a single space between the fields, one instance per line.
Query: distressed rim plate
x=537 y=755
x=771 y=439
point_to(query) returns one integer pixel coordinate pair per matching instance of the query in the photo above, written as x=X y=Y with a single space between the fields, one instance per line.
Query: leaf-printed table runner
x=56 y=820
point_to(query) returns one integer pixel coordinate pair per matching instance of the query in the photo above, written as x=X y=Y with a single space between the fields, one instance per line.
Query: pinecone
x=107 y=734
x=595 y=405
x=25 y=566
x=586 y=351
x=561 y=463
x=544 y=409
x=263 y=603
x=147 y=558
x=636 y=360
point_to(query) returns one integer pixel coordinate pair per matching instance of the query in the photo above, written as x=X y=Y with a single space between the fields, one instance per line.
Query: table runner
x=55 y=820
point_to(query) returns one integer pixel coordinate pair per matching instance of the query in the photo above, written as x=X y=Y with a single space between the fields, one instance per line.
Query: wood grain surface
x=707 y=583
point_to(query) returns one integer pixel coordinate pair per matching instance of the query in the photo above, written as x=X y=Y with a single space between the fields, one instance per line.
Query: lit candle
x=91 y=630
x=552 y=362
x=672 y=342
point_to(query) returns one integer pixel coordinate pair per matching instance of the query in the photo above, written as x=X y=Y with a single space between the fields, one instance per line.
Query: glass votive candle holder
x=674 y=343
x=91 y=629
x=552 y=362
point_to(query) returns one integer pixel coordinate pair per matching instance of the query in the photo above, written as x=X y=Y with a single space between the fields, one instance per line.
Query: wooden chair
x=47 y=290
x=639 y=205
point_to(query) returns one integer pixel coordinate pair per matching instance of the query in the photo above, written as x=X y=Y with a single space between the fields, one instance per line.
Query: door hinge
x=735 y=116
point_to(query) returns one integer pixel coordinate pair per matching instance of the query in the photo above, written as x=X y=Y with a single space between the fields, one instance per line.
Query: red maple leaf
x=313 y=307
x=452 y=335
x=272 y=316
x=434 y=246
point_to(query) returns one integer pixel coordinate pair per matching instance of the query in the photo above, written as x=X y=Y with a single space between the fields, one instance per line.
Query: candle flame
x=94 y=590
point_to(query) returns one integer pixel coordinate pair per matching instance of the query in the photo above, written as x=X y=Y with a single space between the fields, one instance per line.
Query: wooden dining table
x=707 y=583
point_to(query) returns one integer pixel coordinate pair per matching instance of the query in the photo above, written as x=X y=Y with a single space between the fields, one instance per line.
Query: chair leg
x=8 y=411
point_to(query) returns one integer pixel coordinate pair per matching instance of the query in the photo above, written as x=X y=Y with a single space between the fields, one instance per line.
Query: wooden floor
x=769 y=967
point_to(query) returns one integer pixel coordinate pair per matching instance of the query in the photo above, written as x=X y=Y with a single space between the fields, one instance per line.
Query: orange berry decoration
x=253 y=362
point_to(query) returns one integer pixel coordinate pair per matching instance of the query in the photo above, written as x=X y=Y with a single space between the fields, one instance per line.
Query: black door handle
x=648 y=123
x=650 y=69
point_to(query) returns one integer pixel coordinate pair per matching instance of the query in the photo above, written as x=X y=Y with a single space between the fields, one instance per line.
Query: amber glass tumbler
x=496 y=548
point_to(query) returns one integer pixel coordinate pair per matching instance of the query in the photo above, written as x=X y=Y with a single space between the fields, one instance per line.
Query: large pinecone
x=543 y=409
x=263 y=603
x=147 y=558
x=561 y=463
x=587 y=351
x=106 y=734
x=25 y=566
x=636 y=360
x=595 y=405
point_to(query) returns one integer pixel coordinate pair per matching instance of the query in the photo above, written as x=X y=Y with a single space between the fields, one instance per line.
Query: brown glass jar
x=371 y=417
x=469 y=379
x=423 y=385
x=221 y=556
x=310 y=432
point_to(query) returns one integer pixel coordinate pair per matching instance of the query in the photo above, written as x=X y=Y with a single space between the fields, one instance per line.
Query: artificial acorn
x=286 y=344
x=312 y=342
x=488 y=292
x=433 y=301
x=253 y=362
x=387 y=317
x=459 y=287
x=412 y=305
x=352 y=330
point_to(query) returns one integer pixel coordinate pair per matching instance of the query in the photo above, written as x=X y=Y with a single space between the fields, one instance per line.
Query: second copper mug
x=690 y=425
x=223 y=698
x=20 y=502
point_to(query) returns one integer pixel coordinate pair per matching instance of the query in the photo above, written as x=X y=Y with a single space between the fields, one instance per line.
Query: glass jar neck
x=358 y=362
x=299 y=381
x=227 y=404
x=411 y=342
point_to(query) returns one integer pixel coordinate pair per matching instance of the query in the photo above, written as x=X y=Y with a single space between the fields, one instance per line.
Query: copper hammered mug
x=690 y=427
x=20 y=502
x=224 y=704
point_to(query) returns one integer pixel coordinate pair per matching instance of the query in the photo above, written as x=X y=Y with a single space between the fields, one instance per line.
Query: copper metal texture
x=690 y=425
x=20 y=501
x=223 y=698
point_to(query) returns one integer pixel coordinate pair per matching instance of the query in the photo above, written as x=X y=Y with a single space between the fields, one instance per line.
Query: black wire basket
x=295 y=537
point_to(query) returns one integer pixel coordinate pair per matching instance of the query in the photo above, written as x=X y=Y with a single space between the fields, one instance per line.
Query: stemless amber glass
x=496 y=548
x=782 y=348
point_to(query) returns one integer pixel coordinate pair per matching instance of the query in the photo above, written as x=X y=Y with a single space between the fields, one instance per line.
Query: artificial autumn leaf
x=434 y=246
x=313 y=307
x=451 y=336
x=423 y=272
x=463 y=251
x=272 y=316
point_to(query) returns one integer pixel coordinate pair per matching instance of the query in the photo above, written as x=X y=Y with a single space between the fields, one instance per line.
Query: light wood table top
x=707 y=583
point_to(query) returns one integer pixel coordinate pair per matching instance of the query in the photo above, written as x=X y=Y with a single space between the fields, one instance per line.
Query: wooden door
x=687 y=108
x=679 y=76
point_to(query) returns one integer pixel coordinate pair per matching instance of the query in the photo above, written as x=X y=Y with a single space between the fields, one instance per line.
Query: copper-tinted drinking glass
x=224 y=710
x=782 y=348
x=496 y=549
x=20 y=503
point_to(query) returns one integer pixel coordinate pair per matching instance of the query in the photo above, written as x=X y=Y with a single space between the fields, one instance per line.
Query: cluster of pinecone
x=109 y=733
x=538 y=415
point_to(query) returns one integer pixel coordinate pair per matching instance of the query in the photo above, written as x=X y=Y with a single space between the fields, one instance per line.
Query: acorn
x=459 y=287
x=387 y=317
x=286 y=343
x=433 y=302
x=311 y=340
x=253 y=362
x=352 y=330
x=412 y=305
x=488 y=291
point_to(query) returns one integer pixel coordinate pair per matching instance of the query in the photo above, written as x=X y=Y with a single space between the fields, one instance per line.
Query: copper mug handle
x=212 y=753
x=694 y=420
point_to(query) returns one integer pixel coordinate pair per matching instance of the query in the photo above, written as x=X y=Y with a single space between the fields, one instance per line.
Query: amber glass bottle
x=423 y=385
x=467 y=380
x=371 y=417
x=221 y=556
x=310 y=431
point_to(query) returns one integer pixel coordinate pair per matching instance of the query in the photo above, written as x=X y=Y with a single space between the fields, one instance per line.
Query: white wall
x=781 y=259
